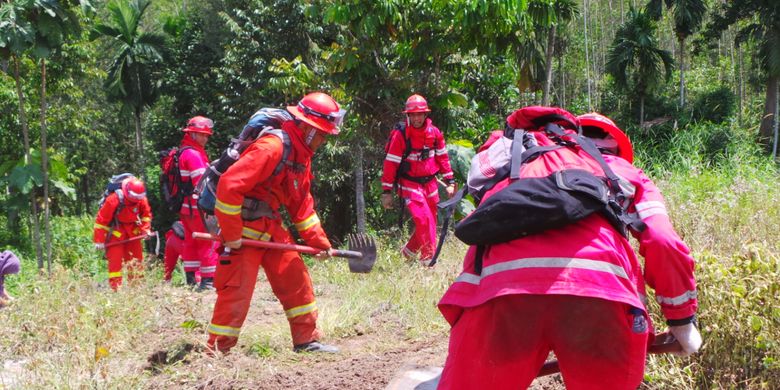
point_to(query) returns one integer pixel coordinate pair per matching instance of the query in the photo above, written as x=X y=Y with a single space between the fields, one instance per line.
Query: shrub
x=714 y=106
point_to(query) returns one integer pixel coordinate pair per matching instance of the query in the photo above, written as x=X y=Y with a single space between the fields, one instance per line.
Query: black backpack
x=173 y=189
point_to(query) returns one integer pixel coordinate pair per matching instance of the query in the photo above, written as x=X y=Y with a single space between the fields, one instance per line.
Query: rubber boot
x=206 y=284
x=315 y=346
x=190 y=278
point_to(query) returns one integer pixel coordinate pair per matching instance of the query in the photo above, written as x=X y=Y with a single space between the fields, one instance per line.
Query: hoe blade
x=366 y=245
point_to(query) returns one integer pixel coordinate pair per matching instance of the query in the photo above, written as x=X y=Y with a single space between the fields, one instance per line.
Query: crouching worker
x=124 y=219
x=174 y=242
x=9 y=264
x=273 y=171
x=577 y=290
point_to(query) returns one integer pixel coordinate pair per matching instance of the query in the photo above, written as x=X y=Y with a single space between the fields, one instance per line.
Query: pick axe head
x=366 y=245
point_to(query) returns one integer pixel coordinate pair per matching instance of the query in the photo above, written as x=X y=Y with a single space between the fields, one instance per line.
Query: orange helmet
x=416 y=103
x=199 y=124
x=593 y=119
x=134 y=189
x=319 y=110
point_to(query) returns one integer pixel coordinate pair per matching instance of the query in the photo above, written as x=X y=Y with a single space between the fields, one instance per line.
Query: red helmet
x=134 y=189
x=319 y=110
x=624 y=148
x=199 y=124
x=416 y=103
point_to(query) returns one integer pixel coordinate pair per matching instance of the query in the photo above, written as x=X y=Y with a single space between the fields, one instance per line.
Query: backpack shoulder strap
x=286 y=147
x=401 y=128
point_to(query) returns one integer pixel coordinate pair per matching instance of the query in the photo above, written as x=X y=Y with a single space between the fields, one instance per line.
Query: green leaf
x=66 y=188
x=191 y=324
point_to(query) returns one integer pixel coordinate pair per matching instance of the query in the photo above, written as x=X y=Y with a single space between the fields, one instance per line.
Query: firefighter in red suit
x=125 y=214
x=414 y=157
x=197 y=255
x=578 y=291
x=174 y=241
x=253 y=180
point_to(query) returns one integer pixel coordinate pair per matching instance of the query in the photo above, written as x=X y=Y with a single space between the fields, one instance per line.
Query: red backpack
x=173 y=190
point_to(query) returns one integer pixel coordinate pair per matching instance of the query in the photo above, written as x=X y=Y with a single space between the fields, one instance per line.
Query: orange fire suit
x=251 y=177
x=118 y=221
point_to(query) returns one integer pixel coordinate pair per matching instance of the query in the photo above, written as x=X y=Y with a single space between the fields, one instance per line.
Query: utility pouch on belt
x=254 y=209
x=533 y=205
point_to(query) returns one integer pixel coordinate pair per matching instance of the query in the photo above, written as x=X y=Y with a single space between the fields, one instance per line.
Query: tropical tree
x=688 y=16
x=758 y=21
x=635 y=61
x=550 y=14
x=132 y=74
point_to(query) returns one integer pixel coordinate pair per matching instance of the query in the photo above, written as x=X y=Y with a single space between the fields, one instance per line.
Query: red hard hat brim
x=625 y=150
x=193 y=130
x=416 y=110
x=318 y=123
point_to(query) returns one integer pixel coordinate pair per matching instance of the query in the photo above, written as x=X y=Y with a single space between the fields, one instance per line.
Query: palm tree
x=758 y=21
x=549 y=14
x=130 y=76
x=688 y=16
x=635 y=60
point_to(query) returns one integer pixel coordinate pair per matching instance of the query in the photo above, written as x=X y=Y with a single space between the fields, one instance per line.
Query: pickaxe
x=362 y=253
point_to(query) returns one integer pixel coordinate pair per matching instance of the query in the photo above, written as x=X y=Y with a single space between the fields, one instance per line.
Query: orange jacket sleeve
x=442 y=158
x=104 y=218
x=256 y=164
x=300 y=206
x=145 y=213
x=395 y=151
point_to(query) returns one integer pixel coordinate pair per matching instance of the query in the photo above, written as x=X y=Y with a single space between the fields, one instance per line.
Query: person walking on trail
x=274 y=171
x=578 y=291
x=124 y=216
x=197 y=255
x=174 y=242
x=415 y=154
x=9 y=264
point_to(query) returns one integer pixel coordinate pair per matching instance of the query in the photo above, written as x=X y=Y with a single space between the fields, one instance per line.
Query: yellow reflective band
x=308 y=222
x=146 y=219
x=117 y=234
x=301 y=310
x=255 y=235
x=220 y=330
x=229 y=209
x=115 y=274
x=104 y=227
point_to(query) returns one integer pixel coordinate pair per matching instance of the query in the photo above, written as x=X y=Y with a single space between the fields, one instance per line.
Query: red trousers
x=423 y=239
x=503 y=343
x=173 y=248
x=197 y=255
x=130 y=255
x=235 y=283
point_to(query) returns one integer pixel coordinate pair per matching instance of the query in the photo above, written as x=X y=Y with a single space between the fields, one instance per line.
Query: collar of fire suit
x=296 y=138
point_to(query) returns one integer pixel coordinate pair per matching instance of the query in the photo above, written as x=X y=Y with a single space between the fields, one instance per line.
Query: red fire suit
x=417 y=186
x=578 y=291
x=173 y=248
x=197 y=255
x=252 y=177
x=131 y=220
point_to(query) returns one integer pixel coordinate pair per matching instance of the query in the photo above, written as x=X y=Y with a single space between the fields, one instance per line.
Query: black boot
x=190 y=278
x=206 y=284
x=315 y=346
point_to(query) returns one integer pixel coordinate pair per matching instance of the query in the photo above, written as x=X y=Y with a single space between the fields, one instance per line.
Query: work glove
x=387 y=200
x=688 y=337
x=100 y=246
x=233 y=244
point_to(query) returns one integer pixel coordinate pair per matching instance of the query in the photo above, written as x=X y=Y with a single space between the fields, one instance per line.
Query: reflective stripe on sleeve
x=104 y=227
x=441 y=151
x=393 y=158
x=308 y=222
x=301 y=310
x=544 y=262
x=650 y=208
x=146 y=219
x=678 y=300
x=228 y=209
x=255 y=234
x=196 y=173
x=115 y=274
x=221 y=330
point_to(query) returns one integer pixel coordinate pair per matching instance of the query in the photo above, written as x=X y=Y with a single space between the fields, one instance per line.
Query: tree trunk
x=563 y=81
x=139 y=144
x=587 y=55
x=741 y=84
x=549 y=65
x=360 y=201
x=767 y=121
x=45 y=169
x=27 y=160
x=641 y=110
x=682 y=72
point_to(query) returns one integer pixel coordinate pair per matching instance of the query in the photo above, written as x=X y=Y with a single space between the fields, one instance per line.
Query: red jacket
x=192 y=165
x=132 y=219
x=588 y=258
x=251 y=176
x=420 y=165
